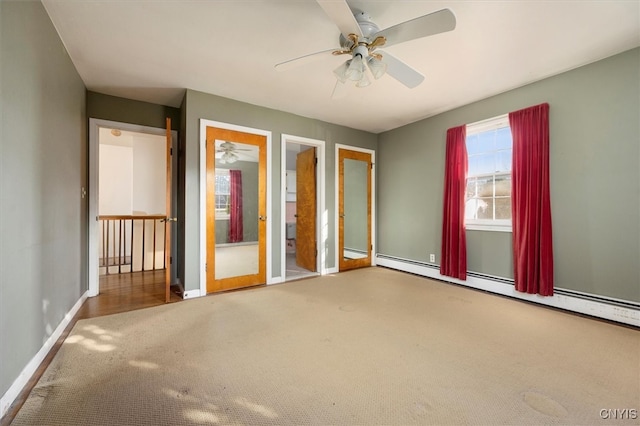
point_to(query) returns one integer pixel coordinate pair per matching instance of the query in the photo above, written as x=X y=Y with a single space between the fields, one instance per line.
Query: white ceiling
x=151 y=50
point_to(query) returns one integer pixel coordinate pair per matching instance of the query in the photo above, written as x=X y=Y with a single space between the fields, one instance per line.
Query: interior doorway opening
x=304 y=242
x=131 y=219
x=131 y=201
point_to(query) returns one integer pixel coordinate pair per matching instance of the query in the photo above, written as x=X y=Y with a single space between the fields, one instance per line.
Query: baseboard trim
x=618 y=311
x=275 y=280
x=191 y=294
x=27 y=372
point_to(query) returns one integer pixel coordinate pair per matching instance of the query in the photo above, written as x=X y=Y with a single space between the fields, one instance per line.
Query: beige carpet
x=371 y=346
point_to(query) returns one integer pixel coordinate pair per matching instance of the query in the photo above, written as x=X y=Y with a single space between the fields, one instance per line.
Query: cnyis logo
x=619 y=413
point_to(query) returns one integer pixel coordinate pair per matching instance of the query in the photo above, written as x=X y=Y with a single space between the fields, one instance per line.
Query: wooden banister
x=124 y=247
x=134 y=217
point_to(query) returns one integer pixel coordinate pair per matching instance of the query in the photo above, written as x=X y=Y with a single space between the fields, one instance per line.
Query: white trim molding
x=561 y=299
x=322 y=216
x=276 y=280
x=191 y=294
x=25 y=375
x=204 y=123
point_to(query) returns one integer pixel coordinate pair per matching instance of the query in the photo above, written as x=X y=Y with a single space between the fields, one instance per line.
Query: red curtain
x=454 y=242
x=235 y=206
x=530 y=201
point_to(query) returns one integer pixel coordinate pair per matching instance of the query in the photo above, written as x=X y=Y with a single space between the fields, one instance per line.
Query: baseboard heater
x=623 y=311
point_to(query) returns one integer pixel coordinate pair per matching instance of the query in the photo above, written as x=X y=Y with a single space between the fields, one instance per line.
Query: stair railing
x=131 y=243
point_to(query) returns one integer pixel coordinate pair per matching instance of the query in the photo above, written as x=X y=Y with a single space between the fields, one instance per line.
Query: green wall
x=43 y=168
x=200 y=105
x=595 y=181
x=113 y=108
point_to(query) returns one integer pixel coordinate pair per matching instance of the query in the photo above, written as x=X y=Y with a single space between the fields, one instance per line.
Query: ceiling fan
x=229 y=152
x=360 y=38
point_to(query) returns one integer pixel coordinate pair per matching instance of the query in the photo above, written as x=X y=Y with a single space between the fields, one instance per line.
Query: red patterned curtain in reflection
x=235 y=206
x=454 y=241
x=530 y=201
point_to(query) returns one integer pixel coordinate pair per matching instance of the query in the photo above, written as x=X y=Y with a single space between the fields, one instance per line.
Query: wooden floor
x=118 y=293
x=127 y=292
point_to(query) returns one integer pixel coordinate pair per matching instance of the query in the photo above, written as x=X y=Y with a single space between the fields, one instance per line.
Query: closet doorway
x=304 y=216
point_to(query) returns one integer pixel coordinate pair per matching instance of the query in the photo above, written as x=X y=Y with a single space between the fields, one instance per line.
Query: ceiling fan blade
x=302 y=60
x=401 y=71
x=423 y=26
x=340 y=13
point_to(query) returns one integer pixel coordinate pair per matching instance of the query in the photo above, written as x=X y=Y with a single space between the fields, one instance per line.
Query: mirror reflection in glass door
x=236 y=210
x=355 y=209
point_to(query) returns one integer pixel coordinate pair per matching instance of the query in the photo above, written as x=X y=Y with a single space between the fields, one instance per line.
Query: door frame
x=94 y=167
x=322 y=234
x=337 y=200
x=204 y=123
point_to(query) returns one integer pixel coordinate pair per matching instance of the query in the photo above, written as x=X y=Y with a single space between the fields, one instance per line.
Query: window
x=222 y=191
x=488 y=195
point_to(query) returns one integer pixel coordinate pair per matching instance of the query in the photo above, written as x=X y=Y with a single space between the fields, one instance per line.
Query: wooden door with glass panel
x=236 y=209
x=354 y=209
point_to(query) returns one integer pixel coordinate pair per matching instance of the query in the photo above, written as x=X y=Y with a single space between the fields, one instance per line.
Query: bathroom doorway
x=303 y=208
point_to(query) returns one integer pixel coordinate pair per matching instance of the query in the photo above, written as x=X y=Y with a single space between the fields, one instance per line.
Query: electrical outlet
x=432 y=257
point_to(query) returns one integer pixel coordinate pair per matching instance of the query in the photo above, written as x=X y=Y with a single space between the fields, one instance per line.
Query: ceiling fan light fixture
x=364 y=81
x=228 y=158
x=356 y=68
x=377 y=66
x=341 y=71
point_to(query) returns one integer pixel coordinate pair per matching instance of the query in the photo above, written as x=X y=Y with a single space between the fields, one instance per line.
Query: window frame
x=498 y=225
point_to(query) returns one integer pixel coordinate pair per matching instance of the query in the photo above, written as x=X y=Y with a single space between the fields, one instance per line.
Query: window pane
x=487 y=140
x=222 y=184
x=471 y=188
x=484 y=208
x=503 y=186
x=485 y=187
x=222 y=201
x=503 y=161
x=503 y=208
x=503 y=138
x=471 y=207
x=473 y=145
x=473 y=165
x=482 y=164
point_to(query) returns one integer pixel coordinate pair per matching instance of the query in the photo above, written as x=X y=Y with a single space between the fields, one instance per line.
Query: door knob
x=342 y=216
x=262 y=217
